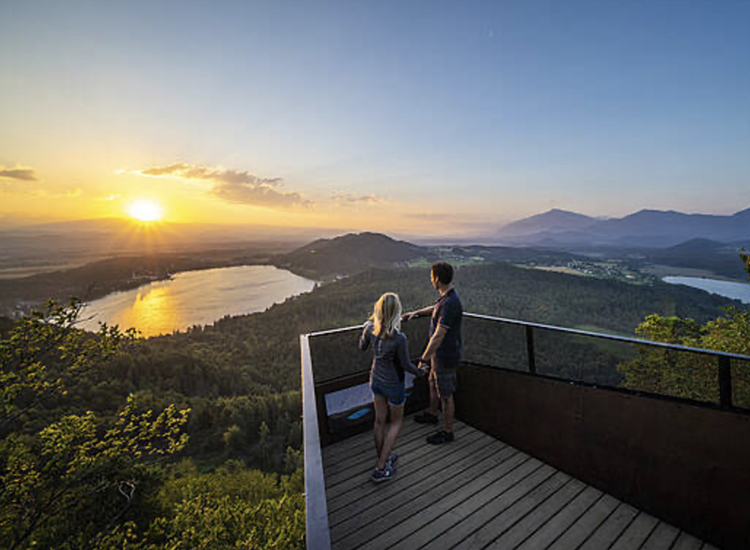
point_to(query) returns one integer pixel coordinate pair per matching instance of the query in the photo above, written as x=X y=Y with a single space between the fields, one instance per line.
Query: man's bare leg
x=434 y=399
x=449 y=409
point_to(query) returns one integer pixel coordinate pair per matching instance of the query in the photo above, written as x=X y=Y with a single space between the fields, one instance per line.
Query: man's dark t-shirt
x=448 y=312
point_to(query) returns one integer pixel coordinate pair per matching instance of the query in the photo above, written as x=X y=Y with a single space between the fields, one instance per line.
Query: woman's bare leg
x=397 y=417
x=381 y=414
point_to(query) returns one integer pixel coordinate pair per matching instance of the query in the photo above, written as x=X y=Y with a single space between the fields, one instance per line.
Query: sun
x=146 y=211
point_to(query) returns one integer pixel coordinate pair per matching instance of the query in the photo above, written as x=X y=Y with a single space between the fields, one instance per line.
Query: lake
x=729 y=289
x=195 y=298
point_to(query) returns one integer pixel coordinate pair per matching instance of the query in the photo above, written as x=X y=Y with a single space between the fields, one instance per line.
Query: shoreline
x=96 y=280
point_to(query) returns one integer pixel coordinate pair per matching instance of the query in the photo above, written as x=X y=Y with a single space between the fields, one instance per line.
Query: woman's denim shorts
x=395 y=396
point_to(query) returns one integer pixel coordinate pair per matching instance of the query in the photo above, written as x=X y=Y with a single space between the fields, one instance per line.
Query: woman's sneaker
x=425 y=418
x=392 y=458
x=378 y=475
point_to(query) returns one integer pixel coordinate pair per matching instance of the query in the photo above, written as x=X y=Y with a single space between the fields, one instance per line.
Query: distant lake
x=729 y=289
x=195 y=298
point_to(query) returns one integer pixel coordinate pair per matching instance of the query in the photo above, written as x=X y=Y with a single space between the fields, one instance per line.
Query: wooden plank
x=661 y=538
x=687 y=542
x=349 y=447
x=419 y=459
x=366 y=458
x=423 y=459
x=582 y=528
x=414 y=435
x=399 y=492
x=611 y=528
x=335 y=450
x=636 y=533
x=444 y=514
x=515 y=487
x=375 y=520
x=560 y=522
x=508 y=516
x=525 y=528
x=342 y=450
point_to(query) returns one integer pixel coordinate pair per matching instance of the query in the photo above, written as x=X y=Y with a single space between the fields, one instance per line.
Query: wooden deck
x=476 y=492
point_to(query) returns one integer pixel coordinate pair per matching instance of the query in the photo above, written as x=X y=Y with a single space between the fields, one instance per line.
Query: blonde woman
x=389 y=363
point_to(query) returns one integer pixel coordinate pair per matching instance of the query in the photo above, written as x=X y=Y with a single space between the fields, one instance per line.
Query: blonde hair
x=386 y=315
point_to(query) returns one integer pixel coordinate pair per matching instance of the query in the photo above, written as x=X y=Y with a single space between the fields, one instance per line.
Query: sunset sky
x=397 y=116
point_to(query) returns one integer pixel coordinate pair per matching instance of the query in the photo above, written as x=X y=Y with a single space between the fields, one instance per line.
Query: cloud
x=23 y=174
x=112 y=197
x=234 y=186
x=357 y=199
x=442 y=216
x=69 y=194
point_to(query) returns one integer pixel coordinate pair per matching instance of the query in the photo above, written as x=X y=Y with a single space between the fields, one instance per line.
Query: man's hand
x=409 y=316
x=417 y=313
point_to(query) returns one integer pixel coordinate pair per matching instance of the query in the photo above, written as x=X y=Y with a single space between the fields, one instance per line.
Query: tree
x=68 y=479
x=683 y=374
x=232 y=507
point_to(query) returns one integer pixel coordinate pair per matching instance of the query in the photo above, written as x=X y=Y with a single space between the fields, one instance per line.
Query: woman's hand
x=424 y=366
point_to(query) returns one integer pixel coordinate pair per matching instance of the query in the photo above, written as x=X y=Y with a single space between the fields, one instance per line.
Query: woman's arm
x=402 y=356
x=364 y=339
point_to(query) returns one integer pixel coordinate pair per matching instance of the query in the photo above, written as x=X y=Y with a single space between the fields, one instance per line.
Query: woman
x=390 y=361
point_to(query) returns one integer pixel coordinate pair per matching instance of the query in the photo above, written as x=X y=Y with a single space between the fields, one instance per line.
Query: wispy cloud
x=23 y=174
x=69 y=194
x=112 y=197
x=233 y=186
x=348 y=198
x=428 y=215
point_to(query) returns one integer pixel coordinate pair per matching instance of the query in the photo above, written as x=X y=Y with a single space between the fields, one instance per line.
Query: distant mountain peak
x=349 y=253
x=552 y=221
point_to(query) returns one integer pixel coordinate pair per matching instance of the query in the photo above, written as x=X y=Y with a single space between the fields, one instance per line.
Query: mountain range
x=646 y=228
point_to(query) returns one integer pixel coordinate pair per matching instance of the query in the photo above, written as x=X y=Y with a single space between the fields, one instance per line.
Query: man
x=443 y=351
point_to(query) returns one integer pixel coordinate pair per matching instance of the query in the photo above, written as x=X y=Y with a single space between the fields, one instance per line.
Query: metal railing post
x=725 y=383
x=530 y=349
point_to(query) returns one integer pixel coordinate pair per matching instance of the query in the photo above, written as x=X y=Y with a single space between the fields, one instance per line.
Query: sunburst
x=146 y=210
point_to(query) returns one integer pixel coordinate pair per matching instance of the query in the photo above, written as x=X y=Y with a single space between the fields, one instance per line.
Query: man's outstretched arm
x=418 y=313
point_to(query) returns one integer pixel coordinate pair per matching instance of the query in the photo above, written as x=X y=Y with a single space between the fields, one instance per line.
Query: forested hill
x=348 y=254
x=721 y=258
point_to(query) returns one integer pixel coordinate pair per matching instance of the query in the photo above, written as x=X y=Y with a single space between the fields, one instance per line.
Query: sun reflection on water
x=154 y=311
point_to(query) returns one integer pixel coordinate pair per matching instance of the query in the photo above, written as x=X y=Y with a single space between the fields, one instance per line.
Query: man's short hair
x=443 y=272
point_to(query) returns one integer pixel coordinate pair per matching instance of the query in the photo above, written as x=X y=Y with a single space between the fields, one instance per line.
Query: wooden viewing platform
x=544 y=458
x=476 y=492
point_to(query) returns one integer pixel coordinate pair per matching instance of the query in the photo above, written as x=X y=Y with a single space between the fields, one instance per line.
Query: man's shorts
x=444 y=381
x=395 y=396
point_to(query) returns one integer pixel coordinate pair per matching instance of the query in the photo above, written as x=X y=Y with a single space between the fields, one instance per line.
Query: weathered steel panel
x=685 y=463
